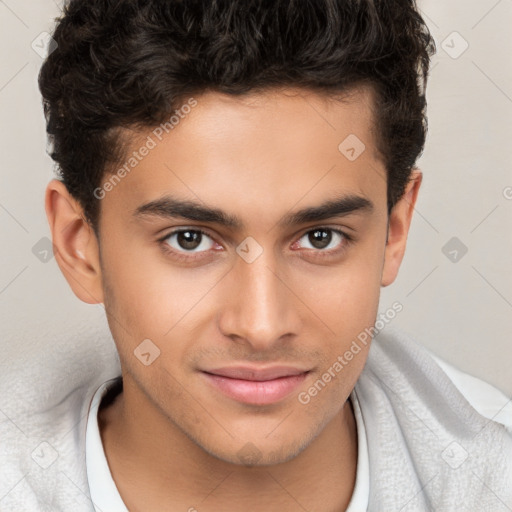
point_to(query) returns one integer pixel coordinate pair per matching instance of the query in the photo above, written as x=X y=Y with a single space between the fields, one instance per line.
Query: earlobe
x=398 y=229
x=75 y=244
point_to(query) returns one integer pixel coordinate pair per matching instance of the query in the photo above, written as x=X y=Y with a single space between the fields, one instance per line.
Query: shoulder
x=424 y=417
x=407 y=369
x=42 y=449
x=484 y=397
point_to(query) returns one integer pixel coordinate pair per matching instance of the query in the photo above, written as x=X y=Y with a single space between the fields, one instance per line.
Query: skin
x=174 y=442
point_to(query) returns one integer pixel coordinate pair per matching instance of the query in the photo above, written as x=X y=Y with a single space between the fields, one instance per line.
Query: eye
x=324 y=239
x=189 y=241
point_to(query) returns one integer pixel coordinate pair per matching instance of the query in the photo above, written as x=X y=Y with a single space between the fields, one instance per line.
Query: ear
x=398 y=228
x=75 y=245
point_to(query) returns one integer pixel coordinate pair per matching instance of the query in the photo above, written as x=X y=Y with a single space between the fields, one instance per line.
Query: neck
x=157 y=467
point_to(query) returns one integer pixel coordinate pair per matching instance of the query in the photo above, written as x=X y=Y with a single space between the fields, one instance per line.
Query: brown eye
x=323 y=238
x=320 y=238
x=189 y=240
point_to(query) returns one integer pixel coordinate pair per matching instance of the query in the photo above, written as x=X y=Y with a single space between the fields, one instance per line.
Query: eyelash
x=184 y=256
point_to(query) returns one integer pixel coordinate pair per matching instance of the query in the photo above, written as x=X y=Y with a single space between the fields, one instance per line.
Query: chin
x=259 y=452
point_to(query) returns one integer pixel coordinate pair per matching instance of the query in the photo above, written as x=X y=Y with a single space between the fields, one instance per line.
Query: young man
x=237 y=185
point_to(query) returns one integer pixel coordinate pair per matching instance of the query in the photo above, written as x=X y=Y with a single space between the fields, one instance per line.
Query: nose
x=261 y=309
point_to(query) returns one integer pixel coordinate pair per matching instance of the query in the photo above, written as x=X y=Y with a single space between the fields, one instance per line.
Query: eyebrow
x=172 y=207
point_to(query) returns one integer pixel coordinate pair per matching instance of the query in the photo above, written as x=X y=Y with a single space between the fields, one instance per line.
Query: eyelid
x=336 y=229
x=182 y=229
x=346 y=240
x=184 y=256
x=191 y=256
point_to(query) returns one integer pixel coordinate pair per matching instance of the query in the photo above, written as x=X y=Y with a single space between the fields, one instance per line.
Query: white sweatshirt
x=429 y=438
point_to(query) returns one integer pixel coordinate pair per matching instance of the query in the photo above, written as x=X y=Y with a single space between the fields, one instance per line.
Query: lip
x=258 y=386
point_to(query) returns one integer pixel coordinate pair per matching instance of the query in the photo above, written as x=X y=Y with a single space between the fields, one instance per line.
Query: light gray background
x=459 y=309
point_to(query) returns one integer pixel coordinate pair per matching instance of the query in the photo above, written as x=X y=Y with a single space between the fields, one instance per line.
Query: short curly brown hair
x=129 y=63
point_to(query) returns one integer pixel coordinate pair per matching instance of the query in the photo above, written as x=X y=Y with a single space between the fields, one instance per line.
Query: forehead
x=255 y=153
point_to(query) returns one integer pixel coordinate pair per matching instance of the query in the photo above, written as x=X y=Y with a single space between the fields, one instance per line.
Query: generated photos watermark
x=343 y=360
x=150 y=143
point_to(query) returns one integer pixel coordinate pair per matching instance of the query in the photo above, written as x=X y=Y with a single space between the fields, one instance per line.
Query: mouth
x=257 y=386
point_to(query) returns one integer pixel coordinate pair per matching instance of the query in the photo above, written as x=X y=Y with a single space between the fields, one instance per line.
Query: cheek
x=346 y=297
x=151 y=295
x=346 y=300
x=149 y=298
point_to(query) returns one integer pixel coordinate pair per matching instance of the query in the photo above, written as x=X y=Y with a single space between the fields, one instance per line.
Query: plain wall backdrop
x=455 y=283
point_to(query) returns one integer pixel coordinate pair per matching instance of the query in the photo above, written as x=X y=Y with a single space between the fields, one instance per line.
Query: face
x=244 y=303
